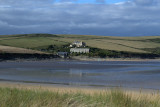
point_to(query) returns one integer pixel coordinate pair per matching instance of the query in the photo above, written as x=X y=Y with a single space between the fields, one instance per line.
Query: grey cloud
x=100 y=1
x=146 y=2
x=113 y=20
x=31 y=2
x=23 y=3
x=15 y=1
x=68 y=0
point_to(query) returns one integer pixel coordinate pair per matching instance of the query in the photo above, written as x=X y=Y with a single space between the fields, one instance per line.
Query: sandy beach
x=48 y=87
x=83 y=58
x=83 y=89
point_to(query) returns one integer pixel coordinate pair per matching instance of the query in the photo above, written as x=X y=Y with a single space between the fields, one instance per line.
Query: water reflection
x=77 y=73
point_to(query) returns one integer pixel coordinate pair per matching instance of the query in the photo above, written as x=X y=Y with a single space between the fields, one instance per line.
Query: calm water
x=82 y=73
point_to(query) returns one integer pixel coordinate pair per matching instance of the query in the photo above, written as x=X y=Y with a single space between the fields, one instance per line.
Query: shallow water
x=131 y=74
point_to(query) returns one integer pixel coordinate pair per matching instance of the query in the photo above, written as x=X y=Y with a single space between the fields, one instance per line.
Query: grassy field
x=14 y=97
x=37 y=41
x=9 y=49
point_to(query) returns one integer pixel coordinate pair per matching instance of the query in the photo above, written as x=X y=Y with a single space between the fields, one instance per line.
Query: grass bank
x=103 y=46
x=24 y=56
x=16 y=97
x=146 y=44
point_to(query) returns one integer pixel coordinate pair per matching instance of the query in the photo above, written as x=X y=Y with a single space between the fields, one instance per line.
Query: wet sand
x=66 y=88
x=82 y=58
x=57 y=64
x=54 y=88
x=84 y=73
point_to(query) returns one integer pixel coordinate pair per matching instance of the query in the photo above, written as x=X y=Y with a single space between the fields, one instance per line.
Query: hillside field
x=147 y=44
x=9 y=49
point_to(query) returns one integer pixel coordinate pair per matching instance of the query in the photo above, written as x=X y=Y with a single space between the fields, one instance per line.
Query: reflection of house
x=63 y=54
x=77 y=73
x=79 y=50
x=78 y=44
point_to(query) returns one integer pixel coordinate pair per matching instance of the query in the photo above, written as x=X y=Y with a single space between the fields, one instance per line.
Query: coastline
x=73 y=88
x=69 y=67
x=80 y=58
x=47 y=87
x=36 y=95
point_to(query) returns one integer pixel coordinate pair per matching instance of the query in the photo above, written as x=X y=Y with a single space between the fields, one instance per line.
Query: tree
x=102 y=54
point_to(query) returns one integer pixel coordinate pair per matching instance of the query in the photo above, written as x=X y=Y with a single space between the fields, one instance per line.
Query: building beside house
x=78 y=44
x=79 y=50
x=62 y=54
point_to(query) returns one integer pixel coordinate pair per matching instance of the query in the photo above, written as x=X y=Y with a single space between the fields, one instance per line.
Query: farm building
x=63 y=54
x=78 y=44
x=79 y=50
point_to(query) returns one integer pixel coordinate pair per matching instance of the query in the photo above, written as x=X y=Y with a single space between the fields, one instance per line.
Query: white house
x=78 y=44
x=79 y=50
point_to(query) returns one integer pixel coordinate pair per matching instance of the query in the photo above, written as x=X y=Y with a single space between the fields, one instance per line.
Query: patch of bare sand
x=83 y=58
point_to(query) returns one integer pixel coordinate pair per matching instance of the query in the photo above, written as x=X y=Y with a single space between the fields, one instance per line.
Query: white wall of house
x=79 y=50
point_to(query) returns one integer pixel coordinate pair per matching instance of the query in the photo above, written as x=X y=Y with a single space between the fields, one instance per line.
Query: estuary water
x=130 y=74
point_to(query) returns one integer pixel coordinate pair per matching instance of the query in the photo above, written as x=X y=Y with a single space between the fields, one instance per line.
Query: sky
x=83 y=17
x=91 y=1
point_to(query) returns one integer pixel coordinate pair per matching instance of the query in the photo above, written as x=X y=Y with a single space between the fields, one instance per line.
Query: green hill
x=147 y=44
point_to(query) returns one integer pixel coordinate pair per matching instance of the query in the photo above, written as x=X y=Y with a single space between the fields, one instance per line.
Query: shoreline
x=42 y=95
x=113 y=59
x=69 y=88
x=81 y=59
x=18 y=94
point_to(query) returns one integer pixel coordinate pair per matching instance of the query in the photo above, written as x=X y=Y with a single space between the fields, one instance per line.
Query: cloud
x=100 y=1
x=23 y=3
x=146 y=2
x=67 y=18
x=68 y=0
